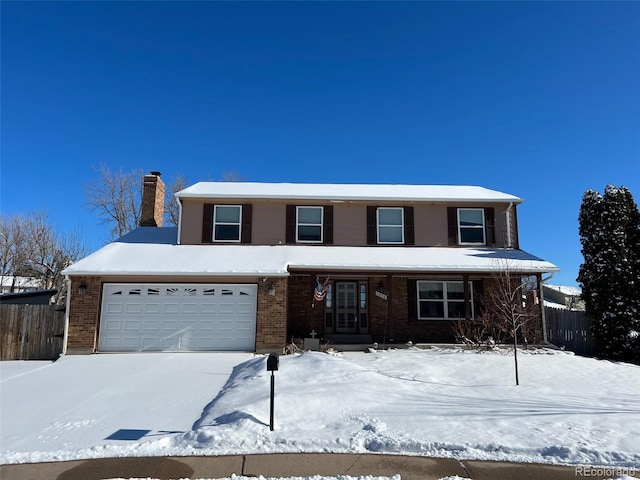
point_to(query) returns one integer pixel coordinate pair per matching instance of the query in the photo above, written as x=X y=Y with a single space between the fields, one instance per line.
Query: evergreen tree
x=610 y=274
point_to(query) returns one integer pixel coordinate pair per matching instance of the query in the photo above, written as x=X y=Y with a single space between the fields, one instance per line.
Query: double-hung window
x=442 y=300
x=390 y=225
x=309 y=224
x=227 y=223
x=471 y=226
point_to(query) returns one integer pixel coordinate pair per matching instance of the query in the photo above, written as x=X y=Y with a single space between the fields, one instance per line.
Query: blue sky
x=537 y=99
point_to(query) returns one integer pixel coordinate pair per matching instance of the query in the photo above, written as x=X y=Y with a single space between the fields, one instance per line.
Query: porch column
x=543 y=315
x=467 y=296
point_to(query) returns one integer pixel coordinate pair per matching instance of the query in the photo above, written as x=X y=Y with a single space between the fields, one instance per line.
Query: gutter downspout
x=508 y=224
x=179 y=219
x=545 y=337
x=65 y=337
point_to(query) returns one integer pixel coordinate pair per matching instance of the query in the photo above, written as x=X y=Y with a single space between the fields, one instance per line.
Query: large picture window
x=442 y=300
x=309 y=224
x=471 y=226
x=390 y=225
x=227 y=223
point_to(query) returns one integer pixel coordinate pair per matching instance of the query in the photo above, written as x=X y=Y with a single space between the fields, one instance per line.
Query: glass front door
x=347 y=307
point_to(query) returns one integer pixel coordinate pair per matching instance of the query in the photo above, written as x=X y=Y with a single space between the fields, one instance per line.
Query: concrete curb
x=286 y=465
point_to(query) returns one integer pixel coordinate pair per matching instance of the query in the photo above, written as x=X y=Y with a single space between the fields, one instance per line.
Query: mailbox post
x=272 y=366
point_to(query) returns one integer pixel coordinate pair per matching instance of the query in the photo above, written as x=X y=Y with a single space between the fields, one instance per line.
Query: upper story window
x=309 y=224
x=227 y=223
x=471 y=226
x=390 y=225
x=442 y=300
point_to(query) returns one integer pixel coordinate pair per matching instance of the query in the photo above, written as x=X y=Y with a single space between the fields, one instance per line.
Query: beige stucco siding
x=349 y=223
x=430 y=224
x=191 y=231
x=268 y=224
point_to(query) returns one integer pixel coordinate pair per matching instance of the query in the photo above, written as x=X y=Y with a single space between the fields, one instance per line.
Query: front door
x=346 y=307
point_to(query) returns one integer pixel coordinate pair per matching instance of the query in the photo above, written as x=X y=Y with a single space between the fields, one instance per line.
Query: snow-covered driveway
x=78 y=402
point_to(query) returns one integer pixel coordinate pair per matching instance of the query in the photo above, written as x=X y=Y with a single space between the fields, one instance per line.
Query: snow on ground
x=436 y=402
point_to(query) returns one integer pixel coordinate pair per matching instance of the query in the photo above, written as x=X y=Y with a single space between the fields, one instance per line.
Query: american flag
x=321 y=290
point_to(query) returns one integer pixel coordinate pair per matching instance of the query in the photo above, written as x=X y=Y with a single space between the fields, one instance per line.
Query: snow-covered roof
x=565 y=290
x=131 y=256
x=346 y=192
x=19 y=282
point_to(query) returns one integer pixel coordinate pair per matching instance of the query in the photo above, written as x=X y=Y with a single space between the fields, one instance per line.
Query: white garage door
x=177 y=317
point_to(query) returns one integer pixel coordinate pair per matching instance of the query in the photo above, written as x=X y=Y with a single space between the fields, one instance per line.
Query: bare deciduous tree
x=510 y=301
x=32 y=248
x=232 y=177
x=116 y=197
x=173 y=210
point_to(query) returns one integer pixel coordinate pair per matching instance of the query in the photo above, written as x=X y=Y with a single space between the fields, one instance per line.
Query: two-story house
x=253 y=265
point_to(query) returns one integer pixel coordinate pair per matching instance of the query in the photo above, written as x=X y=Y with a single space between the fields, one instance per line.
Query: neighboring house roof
x=563 y=296
x=565 y=290
x=346 y=192
x=153 y=251
x=33 y=297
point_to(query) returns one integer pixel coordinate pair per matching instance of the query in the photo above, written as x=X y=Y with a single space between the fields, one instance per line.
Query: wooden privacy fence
x=571 y=330
x=31 y=332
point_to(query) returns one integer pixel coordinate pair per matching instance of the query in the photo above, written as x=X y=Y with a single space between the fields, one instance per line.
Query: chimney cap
x=155 y=173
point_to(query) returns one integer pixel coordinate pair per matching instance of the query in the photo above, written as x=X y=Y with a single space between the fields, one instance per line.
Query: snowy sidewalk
x=294 y=465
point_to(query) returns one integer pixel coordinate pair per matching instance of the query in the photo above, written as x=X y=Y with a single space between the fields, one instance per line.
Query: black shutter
x=452 y=222
x=290 y=232
x=412 y=300
x=207 y=223
x=490 y=225
x=327 y=225
x=372 y=227
x=247 y=212
x=409 y=235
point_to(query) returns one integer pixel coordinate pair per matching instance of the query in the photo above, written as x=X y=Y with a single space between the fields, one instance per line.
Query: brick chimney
x=152 y=200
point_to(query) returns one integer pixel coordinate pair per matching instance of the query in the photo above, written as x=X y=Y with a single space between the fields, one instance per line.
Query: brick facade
x=302 y=317
x=386 y=325
x=84 y=313
x=271 y=322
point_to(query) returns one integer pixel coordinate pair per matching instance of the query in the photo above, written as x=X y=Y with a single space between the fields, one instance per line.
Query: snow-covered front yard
x=438 y=402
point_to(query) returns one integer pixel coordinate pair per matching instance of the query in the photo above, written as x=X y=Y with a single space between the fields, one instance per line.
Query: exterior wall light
x=272 y=290
x=82 y=289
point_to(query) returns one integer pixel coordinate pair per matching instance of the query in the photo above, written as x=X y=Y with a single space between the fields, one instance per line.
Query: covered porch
x=393 y=308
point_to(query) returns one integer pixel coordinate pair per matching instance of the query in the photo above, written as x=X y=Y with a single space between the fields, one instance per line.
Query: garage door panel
x=171 y=308
x=208 y=309
x=179 y=317
x=132 y=325
x=244 y=326
x=152 y=308
x=133 y=308
x=114 y=308
x=189 y=309
x=150 y=325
